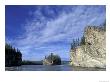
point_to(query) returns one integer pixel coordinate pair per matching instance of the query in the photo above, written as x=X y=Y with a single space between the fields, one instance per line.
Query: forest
x=13 y=57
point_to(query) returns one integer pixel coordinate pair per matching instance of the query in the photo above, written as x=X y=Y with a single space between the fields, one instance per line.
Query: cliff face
x=93 y=53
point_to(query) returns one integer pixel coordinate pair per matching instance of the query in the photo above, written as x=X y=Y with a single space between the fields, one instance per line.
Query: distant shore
x=27 y=62
x=40 y=62
x=32 y=63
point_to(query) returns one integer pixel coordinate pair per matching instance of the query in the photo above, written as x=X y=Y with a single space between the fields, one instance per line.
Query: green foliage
x=54 y=58
x=82 y=41
x=26 y=62
x=13 y=57
x=75 y=43
x=104 y=26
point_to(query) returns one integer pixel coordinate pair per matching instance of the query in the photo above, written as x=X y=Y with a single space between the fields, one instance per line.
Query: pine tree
x=13 y=57
x=82 y=41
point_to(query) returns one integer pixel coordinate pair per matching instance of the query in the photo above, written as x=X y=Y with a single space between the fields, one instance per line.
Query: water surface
x=50 y=68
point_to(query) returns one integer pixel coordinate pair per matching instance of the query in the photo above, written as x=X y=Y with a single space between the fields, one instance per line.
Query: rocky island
x=52 y=59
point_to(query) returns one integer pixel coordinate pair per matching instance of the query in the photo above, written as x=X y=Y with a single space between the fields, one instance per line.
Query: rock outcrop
x=93 y=52
x=52 y=60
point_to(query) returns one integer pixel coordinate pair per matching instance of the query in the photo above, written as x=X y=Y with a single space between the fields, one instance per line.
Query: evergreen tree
x=13 y=57
x=82 y=41
x=75 y=43
x=53 y=59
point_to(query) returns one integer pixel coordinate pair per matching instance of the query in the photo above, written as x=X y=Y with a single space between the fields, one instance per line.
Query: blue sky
x=39 y=30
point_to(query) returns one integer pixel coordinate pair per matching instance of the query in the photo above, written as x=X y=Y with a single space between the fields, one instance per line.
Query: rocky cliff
x=93 y=52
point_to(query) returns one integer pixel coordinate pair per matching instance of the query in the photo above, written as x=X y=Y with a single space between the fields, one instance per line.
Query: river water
x=51 y=68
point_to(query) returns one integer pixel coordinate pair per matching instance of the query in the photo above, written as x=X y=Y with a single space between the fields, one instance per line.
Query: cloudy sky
x=40 y=30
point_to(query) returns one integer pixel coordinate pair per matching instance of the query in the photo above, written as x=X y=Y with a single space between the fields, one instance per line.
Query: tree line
x=78 y=42
x=13 y=57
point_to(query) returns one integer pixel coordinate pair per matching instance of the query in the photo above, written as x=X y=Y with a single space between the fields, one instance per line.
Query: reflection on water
x=50 y=68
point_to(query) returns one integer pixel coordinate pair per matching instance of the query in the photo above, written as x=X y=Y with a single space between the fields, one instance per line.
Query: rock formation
x=93 y=52
x=52 y=60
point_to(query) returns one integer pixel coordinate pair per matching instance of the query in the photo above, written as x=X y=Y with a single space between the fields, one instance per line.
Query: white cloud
x=64 y=28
